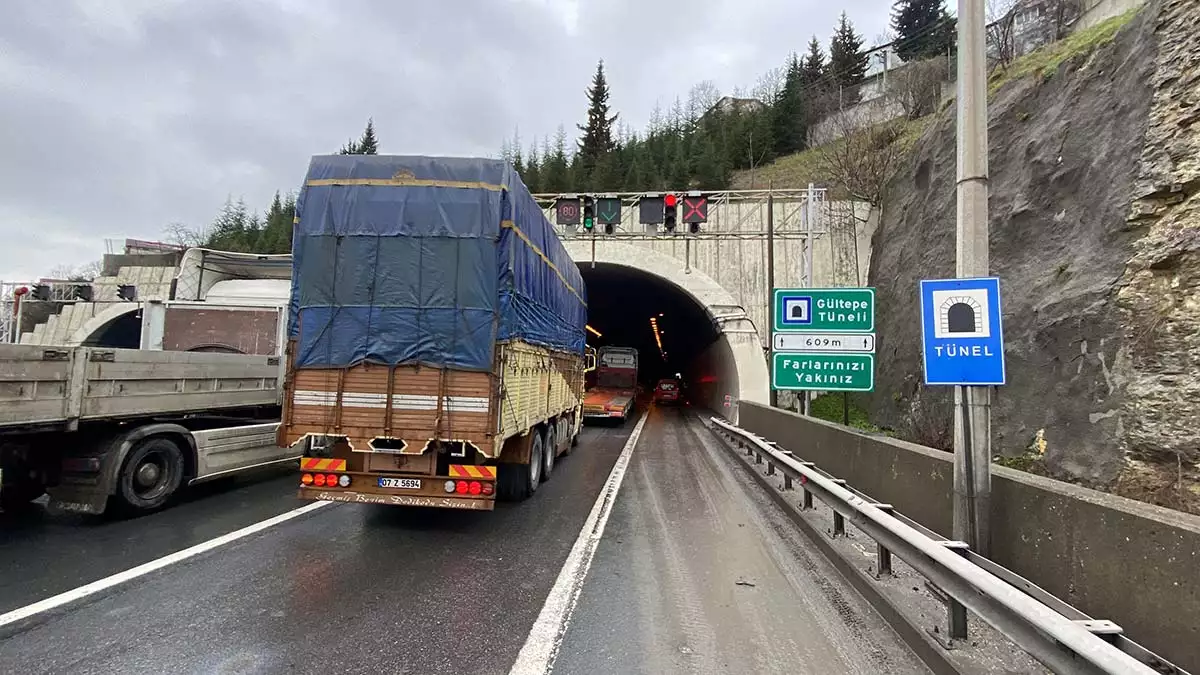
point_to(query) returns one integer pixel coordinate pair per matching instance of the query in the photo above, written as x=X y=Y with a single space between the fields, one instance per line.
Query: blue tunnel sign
x=961 y=332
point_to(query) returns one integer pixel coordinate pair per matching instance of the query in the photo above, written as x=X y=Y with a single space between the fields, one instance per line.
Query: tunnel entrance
x=705 y=332
x=629 y=307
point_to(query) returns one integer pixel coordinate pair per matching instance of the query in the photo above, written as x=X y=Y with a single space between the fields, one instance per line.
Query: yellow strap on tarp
x=405 y=181
x=513 y=226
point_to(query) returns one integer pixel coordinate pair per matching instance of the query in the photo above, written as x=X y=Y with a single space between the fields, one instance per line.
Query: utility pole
x=774 y=400
x=972 y=405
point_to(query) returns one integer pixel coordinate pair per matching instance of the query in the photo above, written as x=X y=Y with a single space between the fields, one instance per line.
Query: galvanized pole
x=771 y=281
x=810 y=216
x=973 y=415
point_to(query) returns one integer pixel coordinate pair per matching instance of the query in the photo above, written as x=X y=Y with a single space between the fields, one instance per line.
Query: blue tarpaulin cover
x=430 y=260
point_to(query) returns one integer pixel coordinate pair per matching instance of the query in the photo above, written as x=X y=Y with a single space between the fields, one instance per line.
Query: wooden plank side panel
x=537 y=385
x=414 y=415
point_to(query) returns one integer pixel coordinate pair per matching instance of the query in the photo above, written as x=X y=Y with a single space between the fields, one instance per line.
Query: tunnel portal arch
x=738 y=355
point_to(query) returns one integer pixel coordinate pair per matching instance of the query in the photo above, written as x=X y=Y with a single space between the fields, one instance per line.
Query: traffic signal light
x=670 y=211
x=589 y=213
x=695 y=211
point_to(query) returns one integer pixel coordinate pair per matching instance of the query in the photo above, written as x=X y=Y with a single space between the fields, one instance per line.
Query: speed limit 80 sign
x=566 y=211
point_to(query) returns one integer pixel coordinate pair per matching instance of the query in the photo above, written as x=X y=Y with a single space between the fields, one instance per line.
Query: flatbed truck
x=614 y=395
x=198 y=400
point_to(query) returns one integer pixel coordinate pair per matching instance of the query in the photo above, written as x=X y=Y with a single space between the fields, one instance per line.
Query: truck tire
x=150 y=474
x=549 y=451
x=517 y=482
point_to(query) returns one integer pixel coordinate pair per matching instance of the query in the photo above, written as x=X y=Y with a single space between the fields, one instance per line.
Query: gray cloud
x=120 y=118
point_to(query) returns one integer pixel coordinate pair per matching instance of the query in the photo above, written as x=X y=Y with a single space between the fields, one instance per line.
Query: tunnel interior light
x=657 y=336
x=593 y=331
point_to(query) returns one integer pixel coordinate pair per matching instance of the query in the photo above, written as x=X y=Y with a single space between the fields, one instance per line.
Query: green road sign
x=823 y=372
x=609 y=210
x=825 y=310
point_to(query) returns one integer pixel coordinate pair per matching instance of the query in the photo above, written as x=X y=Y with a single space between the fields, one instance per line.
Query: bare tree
x=86 y=272
x=865 y=158
x=768 y=86
x=182 y=235
x=1001 y=42
x=917 y=87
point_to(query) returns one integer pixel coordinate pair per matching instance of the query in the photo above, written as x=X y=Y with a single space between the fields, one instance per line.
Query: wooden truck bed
x=402 y=409
x=62 y=386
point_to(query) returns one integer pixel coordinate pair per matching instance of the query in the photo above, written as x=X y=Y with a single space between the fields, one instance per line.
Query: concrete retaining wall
x=1113 y=558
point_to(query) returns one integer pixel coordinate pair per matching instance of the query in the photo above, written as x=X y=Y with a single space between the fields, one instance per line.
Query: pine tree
x=597 y=138
x=533 y=170
x=814 y=63
x=924 y=29
x=368 y=144
x=788 y=111
x=847 y=62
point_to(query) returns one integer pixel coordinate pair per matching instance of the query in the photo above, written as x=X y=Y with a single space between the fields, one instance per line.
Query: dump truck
x=614 y=395
x=161 y=393
x=436 y=347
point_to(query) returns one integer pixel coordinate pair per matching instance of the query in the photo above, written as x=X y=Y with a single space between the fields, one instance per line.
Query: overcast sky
x=119 y=117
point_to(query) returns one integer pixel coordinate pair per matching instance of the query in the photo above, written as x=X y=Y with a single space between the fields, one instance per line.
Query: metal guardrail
x=1061 y=637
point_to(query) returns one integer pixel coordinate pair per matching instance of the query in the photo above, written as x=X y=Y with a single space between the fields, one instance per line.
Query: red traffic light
x=670 y=201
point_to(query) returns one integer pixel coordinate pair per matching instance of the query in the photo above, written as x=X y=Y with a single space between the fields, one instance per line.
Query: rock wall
x=1160 y=300
x=1065 y=151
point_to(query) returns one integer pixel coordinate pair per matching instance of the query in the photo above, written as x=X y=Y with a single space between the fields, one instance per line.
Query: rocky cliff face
x=1101 y=308
x=1160 y=297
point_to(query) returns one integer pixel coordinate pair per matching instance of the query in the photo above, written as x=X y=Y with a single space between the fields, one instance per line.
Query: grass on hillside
x=796 y=171
x=802 y=168
x=1046 y=60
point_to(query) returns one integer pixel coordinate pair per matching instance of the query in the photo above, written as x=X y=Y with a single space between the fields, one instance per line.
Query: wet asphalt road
x=697 y=572
x=348 y=588
x=45 y=555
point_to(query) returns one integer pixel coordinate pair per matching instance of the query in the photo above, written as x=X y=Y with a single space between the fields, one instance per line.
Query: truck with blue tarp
x=436 y=338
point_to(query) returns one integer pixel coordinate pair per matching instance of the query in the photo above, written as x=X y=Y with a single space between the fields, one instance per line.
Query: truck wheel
x=519 y=481
x=150 y=474
x=565 y=426
x=549 y=451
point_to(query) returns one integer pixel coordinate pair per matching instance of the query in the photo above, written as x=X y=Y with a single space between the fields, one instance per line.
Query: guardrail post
x=787 y=481
x=770 y=468
x=956 y=613
x=839 y=524
x=883 y=565
x=807 y=504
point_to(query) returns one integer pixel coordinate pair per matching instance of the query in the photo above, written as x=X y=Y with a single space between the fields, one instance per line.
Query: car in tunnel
x=668 y=392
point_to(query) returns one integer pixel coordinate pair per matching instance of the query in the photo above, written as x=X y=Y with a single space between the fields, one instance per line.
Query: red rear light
x=475 y=487
x=331 y=479
x=319 y=480
x=487 y=488
x=306 y=479
x=461 y=487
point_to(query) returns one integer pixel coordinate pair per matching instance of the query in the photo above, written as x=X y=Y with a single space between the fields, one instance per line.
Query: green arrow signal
x=610 y=216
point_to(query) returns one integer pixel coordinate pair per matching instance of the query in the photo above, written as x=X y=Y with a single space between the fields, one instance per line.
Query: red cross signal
x=695 y=209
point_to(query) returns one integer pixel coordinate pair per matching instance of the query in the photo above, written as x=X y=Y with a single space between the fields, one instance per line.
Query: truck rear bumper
x=390 y=499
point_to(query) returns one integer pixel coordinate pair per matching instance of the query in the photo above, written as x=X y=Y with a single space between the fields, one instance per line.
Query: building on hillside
x=730 y=104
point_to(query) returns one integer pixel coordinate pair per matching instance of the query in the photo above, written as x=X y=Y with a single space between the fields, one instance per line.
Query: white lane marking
x=541 y=647
x=84 y=591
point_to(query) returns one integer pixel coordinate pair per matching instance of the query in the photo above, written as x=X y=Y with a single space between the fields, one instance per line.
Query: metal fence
x=1058 y=635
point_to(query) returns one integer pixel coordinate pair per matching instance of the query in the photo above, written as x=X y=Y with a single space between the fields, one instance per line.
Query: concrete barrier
x=1113 y=558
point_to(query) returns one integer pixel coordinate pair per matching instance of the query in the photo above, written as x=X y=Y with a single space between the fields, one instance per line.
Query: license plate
x=404 y=483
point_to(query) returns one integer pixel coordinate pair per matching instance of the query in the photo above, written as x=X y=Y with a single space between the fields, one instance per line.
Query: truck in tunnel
x=614 y=395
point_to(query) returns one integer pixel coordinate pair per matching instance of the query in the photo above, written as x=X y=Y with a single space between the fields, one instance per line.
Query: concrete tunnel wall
x=736 y=361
